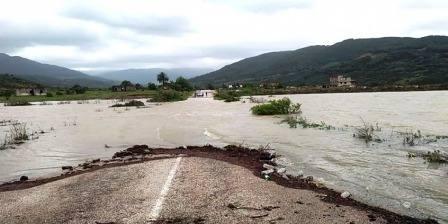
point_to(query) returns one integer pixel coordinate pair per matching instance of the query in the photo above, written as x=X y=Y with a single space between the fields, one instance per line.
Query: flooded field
x=379 y=173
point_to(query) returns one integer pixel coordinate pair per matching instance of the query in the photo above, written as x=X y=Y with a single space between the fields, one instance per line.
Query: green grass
x=88 y=95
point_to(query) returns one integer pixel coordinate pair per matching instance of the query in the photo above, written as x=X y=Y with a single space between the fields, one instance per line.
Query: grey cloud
x=14 y=37
x=226 y=53
x=148 y=24
x=231 y=53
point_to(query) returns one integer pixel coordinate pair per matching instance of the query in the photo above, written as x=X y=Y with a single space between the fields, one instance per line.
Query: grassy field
x=89 y=95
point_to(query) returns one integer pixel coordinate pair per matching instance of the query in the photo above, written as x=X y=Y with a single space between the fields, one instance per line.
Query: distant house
x=235 y=86
x=121 y=88
x=31 y=92
x=341 y=81
x=204 y=93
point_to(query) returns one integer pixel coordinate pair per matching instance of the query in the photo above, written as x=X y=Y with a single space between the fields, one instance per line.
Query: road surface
x=173 y=190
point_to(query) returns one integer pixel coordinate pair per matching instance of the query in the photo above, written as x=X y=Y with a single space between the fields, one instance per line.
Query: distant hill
x=389 y=60
x=144 y=76
x=49 y=75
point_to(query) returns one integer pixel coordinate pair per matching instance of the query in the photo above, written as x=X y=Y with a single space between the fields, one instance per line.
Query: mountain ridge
x=372 y=61
x=47 y=74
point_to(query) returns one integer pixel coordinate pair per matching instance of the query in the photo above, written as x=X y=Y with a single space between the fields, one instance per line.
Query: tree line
x=180 y=84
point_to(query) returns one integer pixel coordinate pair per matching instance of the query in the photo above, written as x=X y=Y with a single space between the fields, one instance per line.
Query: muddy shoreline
x=258 y=161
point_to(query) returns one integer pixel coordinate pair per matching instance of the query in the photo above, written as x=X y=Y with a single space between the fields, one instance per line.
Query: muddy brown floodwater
x=379 y=174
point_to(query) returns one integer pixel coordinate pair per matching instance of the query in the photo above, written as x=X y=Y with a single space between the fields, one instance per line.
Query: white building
x=31 y=92
x=341 y=81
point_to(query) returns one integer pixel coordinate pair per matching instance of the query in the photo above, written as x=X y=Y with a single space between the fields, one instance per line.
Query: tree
x=77 y=89
x=152 y=86
x=182 y=84
x=7 y=93
x=162 y=78
x=210 y=86
x=138 y=86
x=126 y=84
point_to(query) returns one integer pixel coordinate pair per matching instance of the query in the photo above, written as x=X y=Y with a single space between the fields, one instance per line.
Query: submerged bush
x=18 y=103
x=410 y=138
x=435 y=157
x=18 y=132
x=169 y=96
x=293 y=121
x=132 y=103
x=366 y=132
x=277 y=107
x=227 y=96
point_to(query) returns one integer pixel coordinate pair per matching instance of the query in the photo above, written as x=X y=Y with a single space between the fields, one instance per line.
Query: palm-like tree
x=162 y=78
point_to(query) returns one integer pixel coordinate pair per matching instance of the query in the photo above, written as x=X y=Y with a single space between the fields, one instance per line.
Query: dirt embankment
x=260 y=162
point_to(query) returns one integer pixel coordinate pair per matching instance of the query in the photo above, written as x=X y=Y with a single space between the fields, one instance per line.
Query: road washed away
x=184 y=185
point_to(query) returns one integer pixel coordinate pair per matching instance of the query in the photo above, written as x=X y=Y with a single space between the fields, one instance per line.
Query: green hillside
x=378 y=61
x=10 y=82
x=49 y=75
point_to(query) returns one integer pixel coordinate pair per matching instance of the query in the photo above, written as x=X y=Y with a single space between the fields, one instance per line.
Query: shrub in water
x=18 y=132
x=169 y=96
x=227 y=96
x=294 y=120
x=274 y=107
x=132 y=103
x=367 y=132
x=435 y=157
x=18 y=103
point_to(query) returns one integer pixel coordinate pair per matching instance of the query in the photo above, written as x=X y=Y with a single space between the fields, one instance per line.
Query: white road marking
x=155 y=212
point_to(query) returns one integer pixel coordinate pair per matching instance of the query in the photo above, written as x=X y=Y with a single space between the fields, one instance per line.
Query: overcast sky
x=103 y=35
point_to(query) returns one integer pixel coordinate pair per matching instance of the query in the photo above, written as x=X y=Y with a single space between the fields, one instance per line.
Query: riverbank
x=323 y=205
x=257 y=91
x=88 y=95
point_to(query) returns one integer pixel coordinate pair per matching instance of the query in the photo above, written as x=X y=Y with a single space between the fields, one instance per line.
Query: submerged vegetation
x=293 y=121
x=132 y=103
x=277 y=107
x=13 y=103
x=227 y=95
x=17 y=134
x=286 y=107
x=435 y=156
x=169 y=95
x=367 y=132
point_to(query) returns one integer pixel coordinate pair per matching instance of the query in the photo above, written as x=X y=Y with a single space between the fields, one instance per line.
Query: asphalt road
x=174 y=190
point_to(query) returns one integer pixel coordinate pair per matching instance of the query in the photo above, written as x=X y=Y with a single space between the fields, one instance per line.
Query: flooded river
x=379 y=174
